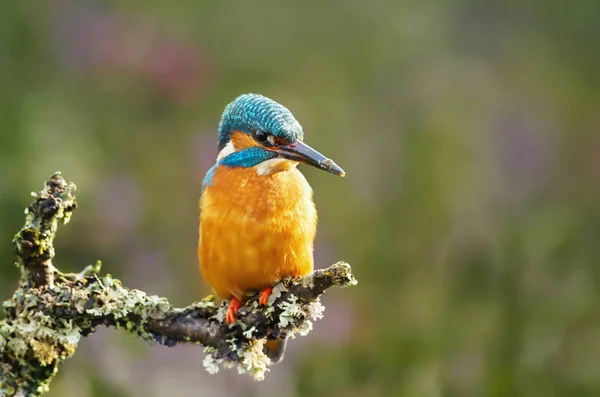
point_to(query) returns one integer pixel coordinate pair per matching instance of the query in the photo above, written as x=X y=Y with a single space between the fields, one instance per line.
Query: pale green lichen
x=295 y=317
x=269 y=312
x=253 y=360
x=251 y=357
x=315 y=310
x=292 y=311
x=248 y=333
x=211 y=363
x=308 y=281
x=37 y=325
x=305 y=327
x=232 y=343
x=80 y=298
x=221 y=313
x=278 y=289
x=17 y=346
x=50 y=339
x=344 y=276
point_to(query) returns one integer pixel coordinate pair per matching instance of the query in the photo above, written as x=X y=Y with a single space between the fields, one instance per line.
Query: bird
x=258 y=219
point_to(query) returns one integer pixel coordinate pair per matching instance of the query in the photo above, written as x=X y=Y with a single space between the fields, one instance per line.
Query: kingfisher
x=257 y=217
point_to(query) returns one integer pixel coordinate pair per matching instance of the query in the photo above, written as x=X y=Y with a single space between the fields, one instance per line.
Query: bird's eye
x=260 y=136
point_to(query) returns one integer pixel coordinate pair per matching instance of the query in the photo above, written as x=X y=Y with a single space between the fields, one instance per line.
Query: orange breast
x=255 y=229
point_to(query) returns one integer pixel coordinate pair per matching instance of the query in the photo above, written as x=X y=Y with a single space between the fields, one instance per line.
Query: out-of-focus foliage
x=470 y=211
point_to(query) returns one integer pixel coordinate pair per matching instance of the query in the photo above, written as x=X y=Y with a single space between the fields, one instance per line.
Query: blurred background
x=470 y=212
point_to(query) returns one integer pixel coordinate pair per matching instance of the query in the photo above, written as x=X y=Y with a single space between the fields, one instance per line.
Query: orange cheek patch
x=281 y=141
x=241 y=140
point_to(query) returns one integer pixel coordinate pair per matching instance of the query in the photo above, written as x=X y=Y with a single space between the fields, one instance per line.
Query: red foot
x=234 y=305
x=264 y=296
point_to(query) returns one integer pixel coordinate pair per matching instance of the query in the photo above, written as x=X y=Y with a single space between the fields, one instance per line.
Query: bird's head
x=257 y=131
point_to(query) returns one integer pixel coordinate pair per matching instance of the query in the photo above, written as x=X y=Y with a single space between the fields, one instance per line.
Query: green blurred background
x=470 y=212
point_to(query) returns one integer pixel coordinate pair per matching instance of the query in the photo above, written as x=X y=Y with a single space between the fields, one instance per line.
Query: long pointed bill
x=301 y=152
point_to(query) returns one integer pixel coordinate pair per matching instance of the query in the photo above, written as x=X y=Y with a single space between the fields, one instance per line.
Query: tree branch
x=50 y=311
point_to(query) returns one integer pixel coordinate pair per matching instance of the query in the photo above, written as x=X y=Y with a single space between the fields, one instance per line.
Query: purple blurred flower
x=525 y=148
x=93 y=41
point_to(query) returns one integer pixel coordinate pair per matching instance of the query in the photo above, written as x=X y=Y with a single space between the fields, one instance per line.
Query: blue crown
x=250 y=112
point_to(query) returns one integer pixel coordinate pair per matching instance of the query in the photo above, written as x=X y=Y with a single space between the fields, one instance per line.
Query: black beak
x=301 y=152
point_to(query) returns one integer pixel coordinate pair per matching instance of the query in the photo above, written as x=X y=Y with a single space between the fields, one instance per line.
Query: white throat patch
x=226 y=151
x=275 y=165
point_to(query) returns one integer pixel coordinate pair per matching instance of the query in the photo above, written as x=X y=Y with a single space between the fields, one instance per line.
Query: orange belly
x=255 y=229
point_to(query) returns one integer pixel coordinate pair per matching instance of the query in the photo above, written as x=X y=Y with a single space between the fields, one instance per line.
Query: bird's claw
x=264 y=296
x=234 y=306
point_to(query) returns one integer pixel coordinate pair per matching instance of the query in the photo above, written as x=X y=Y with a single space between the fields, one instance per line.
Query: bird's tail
x=275 y=349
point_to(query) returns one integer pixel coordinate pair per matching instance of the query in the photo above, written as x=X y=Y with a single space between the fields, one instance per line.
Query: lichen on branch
x=50 y=311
